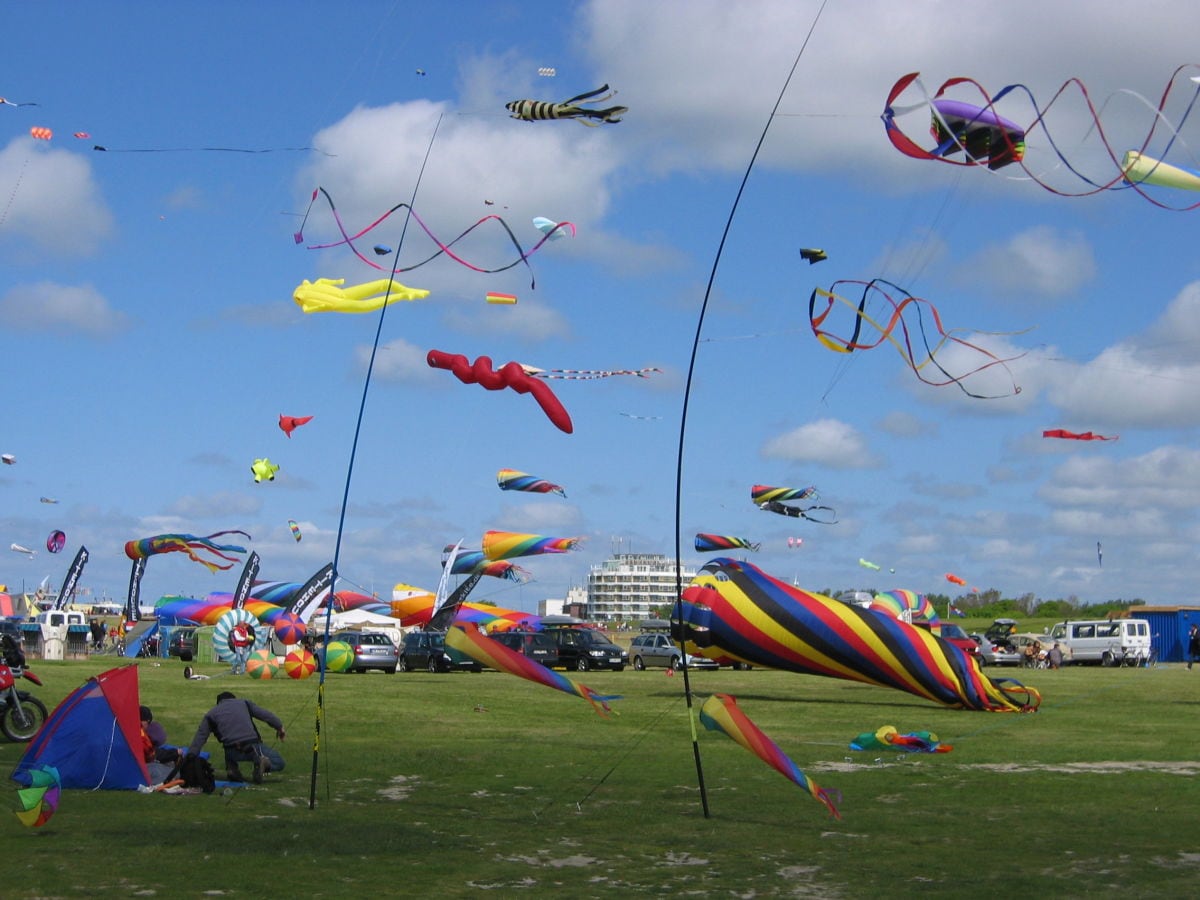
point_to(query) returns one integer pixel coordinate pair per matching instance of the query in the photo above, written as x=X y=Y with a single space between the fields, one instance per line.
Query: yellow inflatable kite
x=327 y=295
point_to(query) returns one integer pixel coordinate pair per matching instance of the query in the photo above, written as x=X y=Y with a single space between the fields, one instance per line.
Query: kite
x=470 y=562
x=875 y=288
x=867 y=564
x=547 y=71
x=1081 y=436
x=382 y=249
x=955 y=579
x=17 y=548
x=907 y=606
x=102 y=149
x=734 y=609
x=976 y=129
x=550 y=228
x=82 y=135
x=295 y=529
x=495 y=655
x=443 y=248
x=510 y=375
x=1099 y=554
x=41 y=134
x=796 y=512
x=795 y=543
x=585 y=374
x=512 y=480
x=641 y=418
x=39 y=799
x=540 y=110
x=327 y=295
x=189 y=544
x=888 y=738
x=720 y=712
x=4 y=101
x=8 y=459
x=760 y=493
x=288 y=424
x=420 y=71
x=510 y=544
x=707 y=543
x=497 y=297
x=49 y=500
x=813 y=254
x=263 y=468
x=55 y=541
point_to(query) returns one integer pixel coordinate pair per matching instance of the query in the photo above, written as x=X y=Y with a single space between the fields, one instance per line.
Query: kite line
x=677 y=609
x=337 y=546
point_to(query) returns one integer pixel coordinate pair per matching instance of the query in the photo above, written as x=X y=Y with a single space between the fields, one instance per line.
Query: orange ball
x=299 y=664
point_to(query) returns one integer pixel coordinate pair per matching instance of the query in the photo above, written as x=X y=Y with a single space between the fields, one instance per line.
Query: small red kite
x=290 y=423
x=1073 y=436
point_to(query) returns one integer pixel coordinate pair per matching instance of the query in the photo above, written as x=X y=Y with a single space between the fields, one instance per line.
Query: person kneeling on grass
x=232 y=722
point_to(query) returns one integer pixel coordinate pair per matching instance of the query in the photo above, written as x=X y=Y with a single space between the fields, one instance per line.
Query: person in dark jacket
x=232 y=722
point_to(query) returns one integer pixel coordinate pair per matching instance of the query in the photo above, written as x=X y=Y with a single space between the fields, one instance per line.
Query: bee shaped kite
x=536 y=110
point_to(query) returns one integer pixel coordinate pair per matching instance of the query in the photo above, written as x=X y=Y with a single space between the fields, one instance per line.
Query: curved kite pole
x=509 y=375
x=904 y=347
x=677 y=612
x=348 y=239
x=1133 y=168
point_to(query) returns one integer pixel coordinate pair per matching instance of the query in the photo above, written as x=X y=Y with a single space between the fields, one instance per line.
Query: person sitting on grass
x=232 y=722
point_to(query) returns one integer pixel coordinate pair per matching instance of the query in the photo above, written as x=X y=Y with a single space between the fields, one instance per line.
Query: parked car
x=1000 y=629
x=182 y=643
x=428 y=650
x=534 y=644
x=583 y=648
x=996 y=652
x=1041 y=644
x=1110 y=642
x=659 y=650
x=371 y=651
x=955 y=635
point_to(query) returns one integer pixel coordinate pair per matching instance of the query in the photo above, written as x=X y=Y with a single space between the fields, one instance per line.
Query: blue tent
x=94 y=737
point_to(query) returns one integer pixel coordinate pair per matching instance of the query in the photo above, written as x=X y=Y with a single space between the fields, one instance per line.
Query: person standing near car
x=1193 y=644
x=232 y=721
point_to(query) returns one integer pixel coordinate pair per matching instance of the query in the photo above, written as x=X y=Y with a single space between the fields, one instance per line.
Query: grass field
x=463 y=785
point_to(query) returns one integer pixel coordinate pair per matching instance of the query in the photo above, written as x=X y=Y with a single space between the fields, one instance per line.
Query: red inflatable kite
x=291 y=423
x=1081 y=436
x=510 y=375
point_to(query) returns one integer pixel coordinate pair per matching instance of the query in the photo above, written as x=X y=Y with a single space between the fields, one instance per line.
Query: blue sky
x=152 y=342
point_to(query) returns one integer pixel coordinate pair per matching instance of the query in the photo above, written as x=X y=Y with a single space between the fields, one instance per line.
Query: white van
x=1110 y=642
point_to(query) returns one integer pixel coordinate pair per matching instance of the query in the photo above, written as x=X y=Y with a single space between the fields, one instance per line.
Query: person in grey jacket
x=231 y=721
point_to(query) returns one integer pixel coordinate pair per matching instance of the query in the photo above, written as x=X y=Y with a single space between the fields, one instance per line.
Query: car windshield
x=953 y=631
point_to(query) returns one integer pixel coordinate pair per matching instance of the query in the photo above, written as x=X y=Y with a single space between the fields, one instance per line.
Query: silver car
x=660 y=650
x=995 y=652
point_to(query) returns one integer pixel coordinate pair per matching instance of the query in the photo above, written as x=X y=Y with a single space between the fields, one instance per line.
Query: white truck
x=1110 y=642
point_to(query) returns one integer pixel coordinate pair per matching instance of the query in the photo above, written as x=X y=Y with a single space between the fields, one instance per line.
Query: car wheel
x=639 y=664
x=673 y=665
x=1108 y=659
x=581 y=664
x=433 y=666
x=402 y=664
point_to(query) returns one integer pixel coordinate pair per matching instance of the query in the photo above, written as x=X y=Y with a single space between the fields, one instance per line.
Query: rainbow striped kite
x=507 y=544
x=512 y=480
x=493 y=654
x=189 y=544
x=720 y=712
x=707 y=543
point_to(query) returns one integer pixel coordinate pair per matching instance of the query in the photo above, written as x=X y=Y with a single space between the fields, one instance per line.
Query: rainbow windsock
x=508 y=544
x=760 y=493
x=720 y=712
x=707 y=543
x=189 y=544
x=512 y=480
x=487 y=652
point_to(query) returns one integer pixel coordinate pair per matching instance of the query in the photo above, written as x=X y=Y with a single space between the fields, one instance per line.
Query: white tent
x=357 y=619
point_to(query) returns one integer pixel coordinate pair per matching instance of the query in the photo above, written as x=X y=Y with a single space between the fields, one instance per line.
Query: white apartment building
x=627 y=586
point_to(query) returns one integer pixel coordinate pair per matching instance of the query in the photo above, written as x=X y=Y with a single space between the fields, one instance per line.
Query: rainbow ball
x=339 y=656
x=299 y=664
x=289 y=628
x=262 y=664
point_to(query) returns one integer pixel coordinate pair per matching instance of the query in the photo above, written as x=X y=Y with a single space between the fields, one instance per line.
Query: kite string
x=337 y=546
x=677 y=614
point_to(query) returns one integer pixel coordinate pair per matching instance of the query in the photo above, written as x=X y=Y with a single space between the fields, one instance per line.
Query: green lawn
x=460 y=785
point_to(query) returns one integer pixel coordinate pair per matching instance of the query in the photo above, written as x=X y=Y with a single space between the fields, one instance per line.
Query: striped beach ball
x=299 y=664
x=289 y=628
x=339 y=656
x=262 y=665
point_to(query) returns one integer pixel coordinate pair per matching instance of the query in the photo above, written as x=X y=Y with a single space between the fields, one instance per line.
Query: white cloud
x=54 y=201
x=825 y=441
x=397 y=360
x=47 y=306
x=906 y=425
x=1040 y=261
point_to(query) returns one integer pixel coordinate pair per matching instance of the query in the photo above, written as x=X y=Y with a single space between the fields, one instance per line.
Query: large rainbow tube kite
x=488 y=652
x=189 y=544
x=510 y=544
x=720 y=712
x=898 y=602
x=471 y=561
x=734 y=609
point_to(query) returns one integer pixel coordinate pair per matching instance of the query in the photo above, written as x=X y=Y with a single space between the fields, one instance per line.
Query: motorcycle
x=21 y=713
